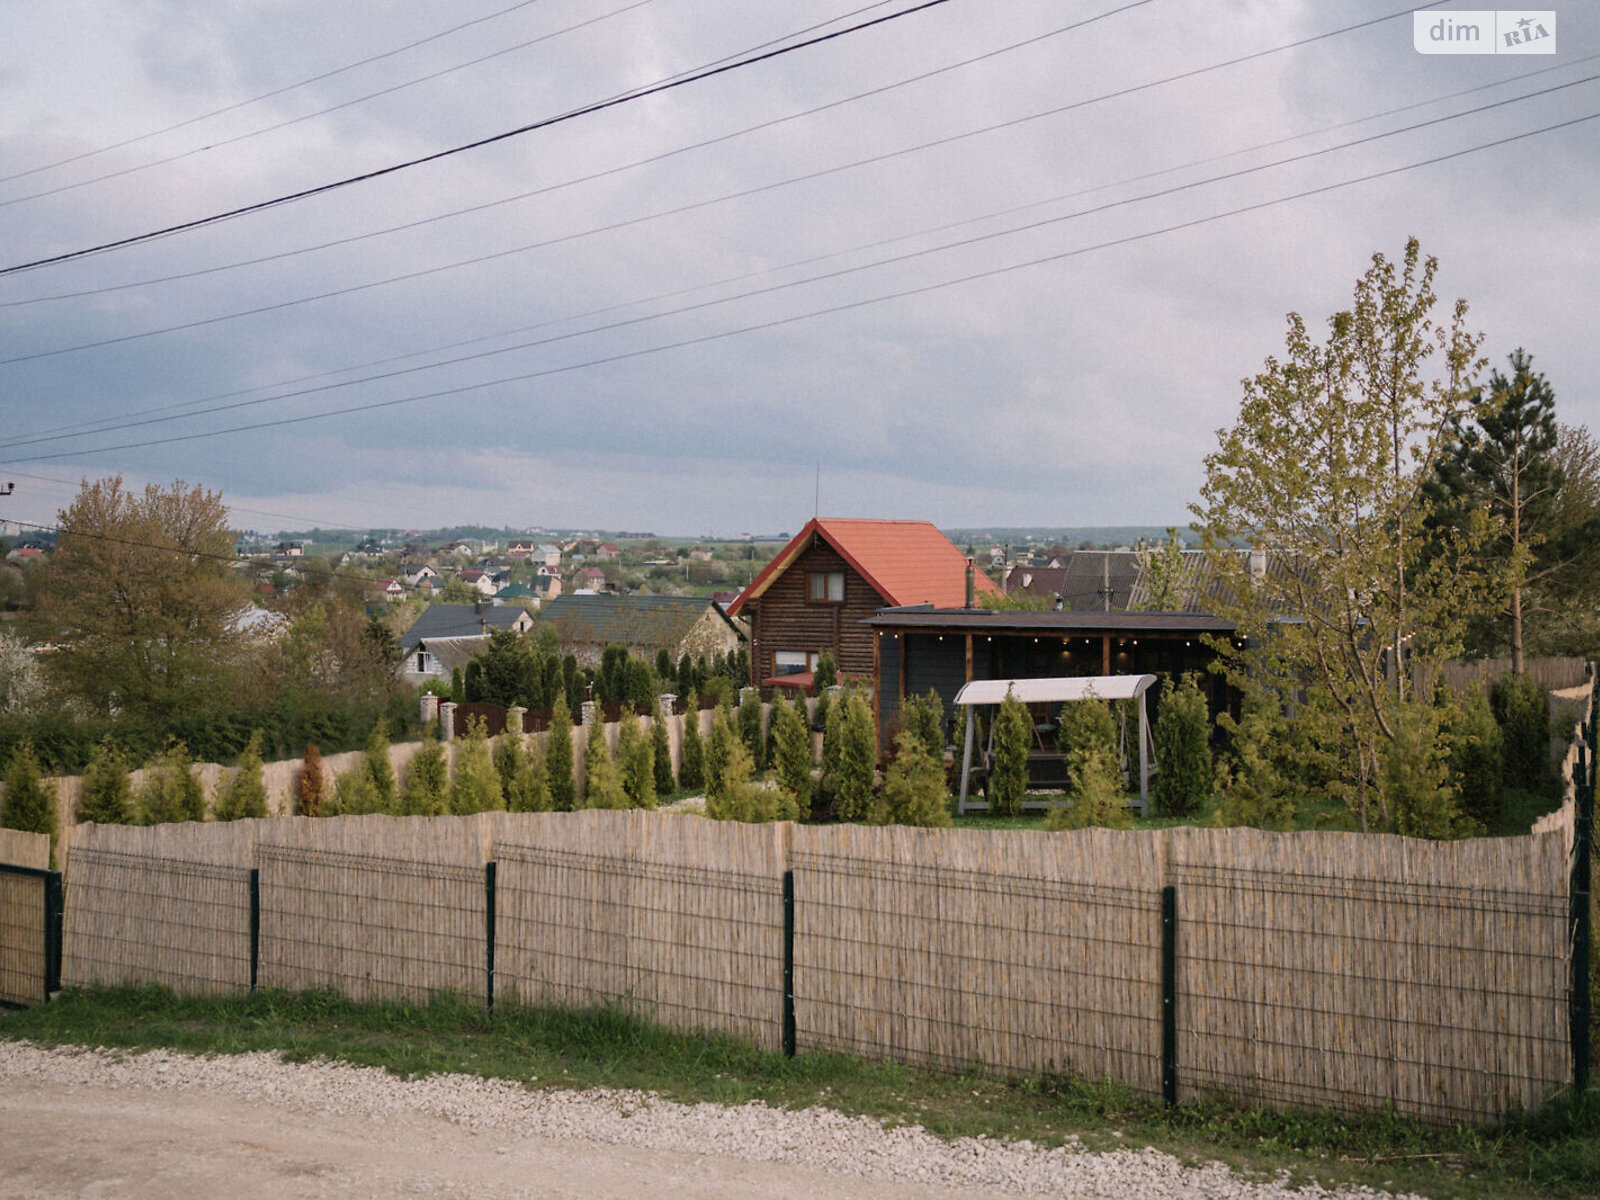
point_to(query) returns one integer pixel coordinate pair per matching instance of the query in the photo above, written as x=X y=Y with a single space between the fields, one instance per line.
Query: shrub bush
x=750 y=732
x=792 y=743
x=427 y=788
x=602 y=779
x=311 y=783
x=1097 y=795
x=857 y=761
x=558 y=760
x=636 y=758
x=1521 y=710
x=1182 y=734
x=661 y=752
x=1250 y=788
x=28 y=804
x=1477 y=763
x=914 y=791
x=171 y=790
x=107 y=790
x=245 y=795
x=692 y=765
x=476 y=786
x=1008 y=778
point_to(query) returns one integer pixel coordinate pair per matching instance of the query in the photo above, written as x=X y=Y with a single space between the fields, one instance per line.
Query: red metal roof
x=906 y=562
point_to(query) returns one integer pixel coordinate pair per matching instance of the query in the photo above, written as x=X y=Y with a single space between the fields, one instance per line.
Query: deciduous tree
x=140 y=601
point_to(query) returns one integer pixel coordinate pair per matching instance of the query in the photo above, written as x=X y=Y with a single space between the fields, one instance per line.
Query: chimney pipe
x=972 y=585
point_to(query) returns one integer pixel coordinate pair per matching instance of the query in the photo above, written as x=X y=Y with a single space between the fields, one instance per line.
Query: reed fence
x=1322 y=970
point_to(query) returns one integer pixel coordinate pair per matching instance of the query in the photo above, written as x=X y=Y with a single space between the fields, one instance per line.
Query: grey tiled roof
x=459 y=620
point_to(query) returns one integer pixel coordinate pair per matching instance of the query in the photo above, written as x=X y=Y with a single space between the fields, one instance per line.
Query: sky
x=981 y=264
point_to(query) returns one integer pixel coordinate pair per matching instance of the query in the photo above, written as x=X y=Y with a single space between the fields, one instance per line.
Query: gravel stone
x=815 y=1138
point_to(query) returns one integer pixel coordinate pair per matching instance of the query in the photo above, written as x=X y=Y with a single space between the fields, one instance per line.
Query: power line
x=608 y=172
x=279 y=91
x=362 y=99
x=846 y=306
x=545 y=123
x=206 y=321
x=90 y=426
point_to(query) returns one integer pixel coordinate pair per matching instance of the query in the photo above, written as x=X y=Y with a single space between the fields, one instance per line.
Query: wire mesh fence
x=371 y=927
x=957 y=969
x=142 y=918
x=1335 y=970
x=690 y=946
x=24 y=935
x=1320 y=989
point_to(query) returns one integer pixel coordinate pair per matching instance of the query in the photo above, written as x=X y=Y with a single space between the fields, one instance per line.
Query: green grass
x=1553 y=1153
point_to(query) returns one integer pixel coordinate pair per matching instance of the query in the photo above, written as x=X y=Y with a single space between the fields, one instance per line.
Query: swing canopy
x=1047 y=691
x=1051 y=691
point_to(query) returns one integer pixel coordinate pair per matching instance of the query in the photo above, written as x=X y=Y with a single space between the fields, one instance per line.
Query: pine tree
x=476 y=786
x=636 y=759
x=1182 y=735
x=661 y=749
x=311 y=783
x=558 y=758
x=427 y=790
x=107 y=791
x=692 y=760
x=246 y=793
x=171 y=791
x=28 y=804
x=602 y=778
x=792 y=737
x=1008 y=780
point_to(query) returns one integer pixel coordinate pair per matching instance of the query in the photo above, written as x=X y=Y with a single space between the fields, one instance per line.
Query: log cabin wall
x=785 y=618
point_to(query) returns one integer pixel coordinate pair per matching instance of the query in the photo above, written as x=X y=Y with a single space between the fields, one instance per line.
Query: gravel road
x=97 y=1123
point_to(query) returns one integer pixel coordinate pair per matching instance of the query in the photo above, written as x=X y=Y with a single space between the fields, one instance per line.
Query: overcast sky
x=683 y=304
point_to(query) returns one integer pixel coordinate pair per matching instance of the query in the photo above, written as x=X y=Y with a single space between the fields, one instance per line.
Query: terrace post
x=966 y=763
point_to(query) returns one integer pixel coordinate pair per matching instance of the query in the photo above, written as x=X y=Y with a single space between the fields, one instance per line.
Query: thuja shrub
x=602 y=779
x=857 y=760
x=719 y=746
x=1477 y=762
x=1096 y=793
x=107 y=789
x=661 y=753
x=692 y=758
x=792 y=744
x=476 y=785
x=427 y=785
x=522 y=774
x=1522 y=712
x=750 y=730
x=311 y=783
x=1414 y=775
x=735 y=797
x=914 y=791
x=245 y=795
x=636 y=758
x=1008 y=779
x=1250 y=788
x=171 y=790
x=28 y=804
x=558 y=760
x=1182 y=735
x=379 y=770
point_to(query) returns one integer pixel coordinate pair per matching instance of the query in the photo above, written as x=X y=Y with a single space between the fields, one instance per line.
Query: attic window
x=826 y=587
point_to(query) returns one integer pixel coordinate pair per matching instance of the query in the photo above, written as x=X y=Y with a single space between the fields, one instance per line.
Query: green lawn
x=1554 y=1153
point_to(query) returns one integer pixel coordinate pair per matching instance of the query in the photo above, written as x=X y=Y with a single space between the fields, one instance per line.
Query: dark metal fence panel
x=953 y=968
x=370 y=928
x=24 y=935
x=140 y=918
x=691 y=946
x=1327 y=988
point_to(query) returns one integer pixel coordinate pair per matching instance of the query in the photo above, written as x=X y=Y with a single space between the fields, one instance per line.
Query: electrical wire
x=100 y=425
x=504 y=135
x=480 y=259
x=844 y=306
x=279 y=91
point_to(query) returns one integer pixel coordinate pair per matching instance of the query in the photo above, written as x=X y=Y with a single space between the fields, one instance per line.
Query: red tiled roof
x=906 y=562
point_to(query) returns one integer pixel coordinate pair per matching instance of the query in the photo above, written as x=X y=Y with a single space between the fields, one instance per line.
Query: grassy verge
x=1553 y=1153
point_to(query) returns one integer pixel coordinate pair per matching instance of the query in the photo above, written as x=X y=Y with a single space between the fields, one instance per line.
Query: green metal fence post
x=53 y=910
x=255 y=926
x=488 y=910
x=788 y=964
x=1582 y=921
x=1169 y=995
